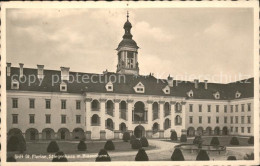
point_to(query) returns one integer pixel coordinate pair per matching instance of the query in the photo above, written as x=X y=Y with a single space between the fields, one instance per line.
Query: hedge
x=109 y=145
x=174 y=136
x=202 y=156
x=132 y=138
x=126 y=136
x=197 y=140
x=16 y=143
x=11 y=159
x=103 y=156
x=251 y=140
x=177 y=155
x=231 y=158
x=59 y=157
x=53 y=147
x=214 y=141
x=234 y=141
x=136 y=144
x=82 y=146
x=141 y=155
x=144 y=142
x=183 y=138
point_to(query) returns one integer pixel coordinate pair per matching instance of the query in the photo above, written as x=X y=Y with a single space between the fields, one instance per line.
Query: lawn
x=224 y=141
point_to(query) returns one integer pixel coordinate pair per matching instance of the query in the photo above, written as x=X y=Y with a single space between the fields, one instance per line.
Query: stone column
x=149 y=132
x=161 y=120
x=88 y=117
x=129 y=115
x=102 y=119
x=173 y=114
x=117 y=111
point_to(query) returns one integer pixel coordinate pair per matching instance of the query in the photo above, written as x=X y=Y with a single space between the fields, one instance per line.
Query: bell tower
x=127 y=52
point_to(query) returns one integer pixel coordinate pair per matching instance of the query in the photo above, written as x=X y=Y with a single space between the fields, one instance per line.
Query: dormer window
x=166 y=90
x=217 y=95
x=109 y=86
x=190 y=93
x=63 y=87
x=15 y=84
x=238 y=94
x=139 y=88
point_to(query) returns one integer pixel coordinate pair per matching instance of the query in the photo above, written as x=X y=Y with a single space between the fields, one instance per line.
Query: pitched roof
x=126 y=84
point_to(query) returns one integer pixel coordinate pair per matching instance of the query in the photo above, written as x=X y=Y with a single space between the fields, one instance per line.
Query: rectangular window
x=200 y=119
x=231 y=119
x=236 y=108
x=242 y=119
x=225 y=119
x=225 y=108
x=236 y=119
x=191 y=119
x=217 y=119
x=31 y=103
x=231 y=129
x=63 y=104
x=209 y=108
x=248 y=129
x=15 y=118
x=249 y=107
x=48 y=104
x=236 y=129
x=191 y=108
x=78 y=106
x=231 y=108
x=63 y=119
x=248 y=119
x=217 y=108
x=209 y=119
x=48 y=119
x=242 y=129
x=31 y=118
x=15 y=103
x=243 y=108
x=78 y=119
x=200 y=108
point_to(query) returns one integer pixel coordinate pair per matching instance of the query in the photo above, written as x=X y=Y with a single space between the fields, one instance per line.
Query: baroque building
x=43 y=108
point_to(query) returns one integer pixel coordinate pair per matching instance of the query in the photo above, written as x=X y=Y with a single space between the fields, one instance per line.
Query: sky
x=188 y=43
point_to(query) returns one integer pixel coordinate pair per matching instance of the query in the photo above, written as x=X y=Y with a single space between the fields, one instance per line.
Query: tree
x=103 y=156
x=53 y=147
x=234 y=141
x=136 y=144
x=202 y=156
x=177 y=155
x=214 y=141
x=132 y=138
x=144 y=142
x=249 y=156
x=231 y=158
x=183 y=138
x=82 y=146
x=174 y=136
x=141 y=155
x=126 y=136
x=197 y=140
x=109 y=145
x=59 y=157
x=16 y=143
x=251 y=140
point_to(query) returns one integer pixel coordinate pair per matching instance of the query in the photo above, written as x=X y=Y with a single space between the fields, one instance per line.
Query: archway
x=122 y=107
x=32 y=134
x=139 y=131
x=166 y=109
x=155 y=110
x=200 y=131
x=109 y=107
x=63 y=134
x=208 y=131
x=95 y=105
x=78 y=133
x=191 y=131
x=48 y=134
x=122 y=127
x=225 y=131
x=139 y=112
x=155 y=127
x=216 y=131
x=109 y=124
x=167 y=124
x=95 y=120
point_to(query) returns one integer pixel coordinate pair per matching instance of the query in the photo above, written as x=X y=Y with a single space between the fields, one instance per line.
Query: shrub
x=214 y=141
x=136 y=144
x=103 y=156
x=59 y=157
x=234 y=141
x=177 y=155
x=11 y=159
x=197 y=140
x=141 y=155
x=16 y=143
x=132 y=138
x=183 y=138
x=144 y=142
x=249 y=156
x=251 y=140
x=231 y=158
x=109 y=145
x=53 y=147
x=126 y=136
x=174 y=136
x=82 y=146
x=202 y=156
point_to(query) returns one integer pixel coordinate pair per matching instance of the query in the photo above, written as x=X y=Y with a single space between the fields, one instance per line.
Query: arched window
x=155 y=128
x=122 y=127
x=110 y=107
x=178 y=120
x=95 y=105
x=155 y=110
x=95 y=120
x=166 y=109
x=167 y=124
x=109 y=124
x=178 y=107
x=122 y=107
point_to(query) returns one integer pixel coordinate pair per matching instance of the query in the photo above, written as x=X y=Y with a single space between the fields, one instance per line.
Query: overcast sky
x=199 y=42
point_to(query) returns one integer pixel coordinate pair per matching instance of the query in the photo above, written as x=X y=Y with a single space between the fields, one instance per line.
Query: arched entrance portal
x=139 y=131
